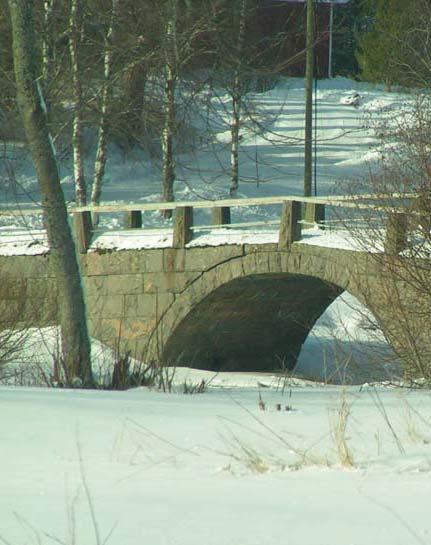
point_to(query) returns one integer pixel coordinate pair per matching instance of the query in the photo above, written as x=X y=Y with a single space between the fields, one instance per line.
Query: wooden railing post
x=221 y=215
x=83 y=228
x=182 y=226
x=314 y=213
x=290 y=228
x=133 y=219
x=396 y=233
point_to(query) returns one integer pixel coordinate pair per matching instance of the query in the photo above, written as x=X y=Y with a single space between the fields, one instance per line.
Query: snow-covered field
x=342 y=466
x=336 y=465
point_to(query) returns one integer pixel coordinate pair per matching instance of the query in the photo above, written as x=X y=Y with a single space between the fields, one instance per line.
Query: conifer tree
x=395 y=51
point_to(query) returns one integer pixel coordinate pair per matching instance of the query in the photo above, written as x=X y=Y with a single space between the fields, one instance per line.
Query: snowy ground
x=214 y=468
x=343 y=466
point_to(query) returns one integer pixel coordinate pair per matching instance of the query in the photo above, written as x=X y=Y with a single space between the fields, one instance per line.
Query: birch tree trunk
x=100 y=162
x=75 y=341
x=75 y=28
x=237 y=92
x=48 y=48
x=168 y=171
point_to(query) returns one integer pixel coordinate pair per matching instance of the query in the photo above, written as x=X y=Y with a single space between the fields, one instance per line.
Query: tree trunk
x=48 y=48
x=135 y=82
x=75 y=26
x=235 y=137
x=100 y=162
x=237 y=93
x=75 y=340
x=168 y=171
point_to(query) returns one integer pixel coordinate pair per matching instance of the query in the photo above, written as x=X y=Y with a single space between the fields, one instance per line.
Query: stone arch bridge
x=231 y=306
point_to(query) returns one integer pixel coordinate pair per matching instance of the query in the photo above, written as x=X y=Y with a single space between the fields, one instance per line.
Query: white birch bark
x=75 y=23
x=47 y=46
x=168 y=171
x=100 y=161
x=237 y=102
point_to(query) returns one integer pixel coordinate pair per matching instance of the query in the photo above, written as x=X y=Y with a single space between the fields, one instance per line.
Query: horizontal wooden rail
x=21 y=212
x=235 y=225
x=347 y=201
x=264 y=201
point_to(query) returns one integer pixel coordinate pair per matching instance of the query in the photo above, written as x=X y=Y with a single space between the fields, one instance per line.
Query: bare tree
x=75 y=340
x=397 y=234
x=48 y=45
x=236 y=94
x=75 y=31
x=100 y=162
x=171 y=62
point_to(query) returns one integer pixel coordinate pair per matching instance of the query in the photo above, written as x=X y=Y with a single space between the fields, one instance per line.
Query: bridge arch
x=251 y=312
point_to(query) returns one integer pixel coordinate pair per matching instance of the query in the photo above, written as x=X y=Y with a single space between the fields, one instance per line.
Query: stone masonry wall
x=130 y=292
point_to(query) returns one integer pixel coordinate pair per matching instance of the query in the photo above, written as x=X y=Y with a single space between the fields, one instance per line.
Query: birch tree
x=237 y=93
x=75 y=30
x=48 y=47
x=100 y=162
x=76 y=351
x=171 y=61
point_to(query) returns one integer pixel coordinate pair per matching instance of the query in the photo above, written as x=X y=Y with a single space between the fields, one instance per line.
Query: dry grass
x=339 y=432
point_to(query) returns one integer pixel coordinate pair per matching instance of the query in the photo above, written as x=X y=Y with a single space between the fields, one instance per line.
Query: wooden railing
x=296 y=212
x=183 y=228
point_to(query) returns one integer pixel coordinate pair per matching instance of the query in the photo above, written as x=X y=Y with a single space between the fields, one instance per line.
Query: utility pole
x=309 y=73
x=330 y=45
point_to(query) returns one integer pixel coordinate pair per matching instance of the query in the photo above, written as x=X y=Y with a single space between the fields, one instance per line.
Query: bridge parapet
x=297 y=213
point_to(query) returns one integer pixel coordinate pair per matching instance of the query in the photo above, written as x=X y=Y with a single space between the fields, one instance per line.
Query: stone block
x=13 y=288
x=119 y=262
x=258 y=248
x=172 y=282
x=174 y=259
x=108 y=306
x=192 y=295
x=262 y=262
x=202 y=259
x=25 y=266
x=12 y=311
x=119 y=284
x=129 y=333
x=275 y=262
x=248 y=263
x=294 y=263
x=105 y=329
x=41 y=287
x=143 y=304
x=154 y=260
